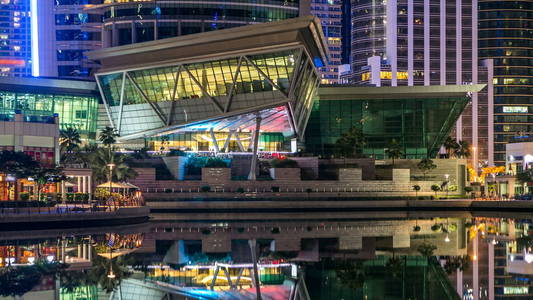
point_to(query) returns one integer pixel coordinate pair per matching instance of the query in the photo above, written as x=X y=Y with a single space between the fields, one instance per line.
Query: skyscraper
x=65 y=31
x=430 y=42
x=15 y=38
x=506 y=35
x=127 y=22
x=330 y=14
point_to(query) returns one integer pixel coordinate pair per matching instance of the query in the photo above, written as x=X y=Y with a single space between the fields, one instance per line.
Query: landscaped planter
x=216 y=175
x=293 y=174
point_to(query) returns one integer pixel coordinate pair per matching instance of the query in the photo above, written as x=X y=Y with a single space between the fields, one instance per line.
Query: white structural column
x=459 y=283
x=459 y=60
x=79 y=183
x=475 y=103
x=491 y=271
x=90 y=186
x=251 y=175
x=427 y=73
x=442 y=51
x=84 y=184
x=475 y=267
x=374 y=63
x=410 y=43
x=392 y=36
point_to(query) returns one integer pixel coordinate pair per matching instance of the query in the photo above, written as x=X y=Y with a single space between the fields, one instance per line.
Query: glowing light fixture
x=34 y=39
x=447 y=239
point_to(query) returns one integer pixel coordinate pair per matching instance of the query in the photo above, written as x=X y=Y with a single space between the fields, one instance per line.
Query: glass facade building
x=66 y=31
x=15 y=38
x=419 y=118
x=131 y=21
x=215 y=94
x=75 y=102
x=330 y=14
x=506 y=36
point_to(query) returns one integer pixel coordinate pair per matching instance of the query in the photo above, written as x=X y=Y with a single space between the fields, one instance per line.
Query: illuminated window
x=515 y=290
x=515 y=109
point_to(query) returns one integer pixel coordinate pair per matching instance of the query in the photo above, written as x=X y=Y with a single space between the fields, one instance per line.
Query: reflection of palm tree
x=351 y=273
x=395 y=266
x=102 y=267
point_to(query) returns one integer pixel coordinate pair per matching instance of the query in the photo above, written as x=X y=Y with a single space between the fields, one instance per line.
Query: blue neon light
x=34 y=39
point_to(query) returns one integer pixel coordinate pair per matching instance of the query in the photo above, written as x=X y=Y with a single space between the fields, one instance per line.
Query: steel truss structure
x=226 y=94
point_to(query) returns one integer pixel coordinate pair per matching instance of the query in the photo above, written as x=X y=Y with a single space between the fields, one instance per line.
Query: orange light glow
x=12 y=62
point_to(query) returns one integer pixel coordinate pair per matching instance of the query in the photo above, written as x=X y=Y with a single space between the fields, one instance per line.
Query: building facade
x=15 y=38
x=418 y=118
x=506 y=36
x=74 y=102
x=127 y=22
x=404 y=42
x=212 y=90
x=65 y=31
x=330 y=14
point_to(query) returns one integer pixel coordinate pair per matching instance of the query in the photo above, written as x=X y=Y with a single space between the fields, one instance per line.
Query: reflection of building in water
x=309 y=240
x=502 y=267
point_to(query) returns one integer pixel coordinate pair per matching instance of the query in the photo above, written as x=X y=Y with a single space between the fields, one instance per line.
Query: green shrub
x=175 y=152
x=205 y=188
x=215 y=162
x=240 y=190
x=168 y=191
x=309 y=191
x=24 y=196
x=284 y=163
x=275 y=189
x=70 y=196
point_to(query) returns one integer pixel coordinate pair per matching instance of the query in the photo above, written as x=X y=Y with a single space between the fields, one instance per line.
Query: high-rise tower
x=15 y=38
x=429 y=42
x=506 y=36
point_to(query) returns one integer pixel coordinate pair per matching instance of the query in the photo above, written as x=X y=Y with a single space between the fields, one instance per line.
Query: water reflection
x=395 y=258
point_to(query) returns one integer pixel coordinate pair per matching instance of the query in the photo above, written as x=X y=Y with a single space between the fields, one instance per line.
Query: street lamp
x=447 y=176
x=111 y=166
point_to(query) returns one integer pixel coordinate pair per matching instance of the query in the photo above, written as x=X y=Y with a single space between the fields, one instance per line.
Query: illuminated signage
x=515 y=109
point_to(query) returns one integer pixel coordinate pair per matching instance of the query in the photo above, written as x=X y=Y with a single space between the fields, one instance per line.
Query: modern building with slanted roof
x=419 y=118
x=213 y=90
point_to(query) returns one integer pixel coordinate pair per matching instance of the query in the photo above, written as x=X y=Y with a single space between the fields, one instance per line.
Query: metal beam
x=121 y=107
x=230 y=95
x=173 y=99
x=266 y=76
x=106 y=103
x=206 y=94
x=154 y=107
x=214 y=139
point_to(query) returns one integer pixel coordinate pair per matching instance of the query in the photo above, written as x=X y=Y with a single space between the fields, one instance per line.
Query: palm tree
x=108 y=137
x=351 y=143
x=99 y=159
x=464 y=150
x=451 y=146
x=394 y=150
x=69 y=139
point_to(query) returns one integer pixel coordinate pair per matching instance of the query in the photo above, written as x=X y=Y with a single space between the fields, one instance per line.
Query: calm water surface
x=338 y=256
